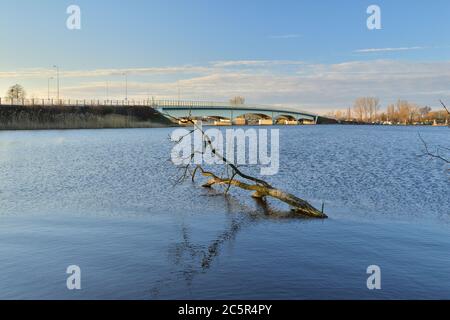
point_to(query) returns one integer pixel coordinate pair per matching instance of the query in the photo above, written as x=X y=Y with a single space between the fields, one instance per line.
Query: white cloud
x=376 y=50
x=254 y=63
x=43 y=73
x=314 y=87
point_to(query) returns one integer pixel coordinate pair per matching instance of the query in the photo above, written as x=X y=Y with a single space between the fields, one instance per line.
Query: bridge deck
x=203 y=107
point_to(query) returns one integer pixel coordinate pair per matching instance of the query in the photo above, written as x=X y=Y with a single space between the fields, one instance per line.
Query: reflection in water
x=193 y=259
x=103 y=199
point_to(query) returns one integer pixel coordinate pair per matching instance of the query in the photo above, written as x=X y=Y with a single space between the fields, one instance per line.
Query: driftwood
x=260 y=188
x=260 y=192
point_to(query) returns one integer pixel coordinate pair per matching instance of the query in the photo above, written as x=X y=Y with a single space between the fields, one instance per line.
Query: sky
x=315 y=55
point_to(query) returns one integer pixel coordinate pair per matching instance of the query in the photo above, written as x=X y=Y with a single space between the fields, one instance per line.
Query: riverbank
x=80 y=117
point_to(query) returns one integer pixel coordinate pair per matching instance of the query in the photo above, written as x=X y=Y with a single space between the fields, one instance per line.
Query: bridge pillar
x=239 y=122
x=266 y=122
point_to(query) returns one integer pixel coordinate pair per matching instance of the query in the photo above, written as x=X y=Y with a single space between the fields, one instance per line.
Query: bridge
x=223 y=113
x=232 y=112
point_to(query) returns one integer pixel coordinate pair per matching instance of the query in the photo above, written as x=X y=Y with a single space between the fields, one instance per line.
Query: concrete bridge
x=222 y=113
x=231 y=112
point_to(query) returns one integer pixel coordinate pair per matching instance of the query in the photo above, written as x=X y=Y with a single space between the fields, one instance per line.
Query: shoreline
x=39 y=117
x=160 y=126
x=80 y=117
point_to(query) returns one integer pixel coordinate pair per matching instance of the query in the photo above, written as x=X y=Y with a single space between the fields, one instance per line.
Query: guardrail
x=95 y=102
x=73 y=102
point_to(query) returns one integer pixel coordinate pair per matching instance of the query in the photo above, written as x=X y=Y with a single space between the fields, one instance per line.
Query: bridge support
x=265 y=122
x=237 y=114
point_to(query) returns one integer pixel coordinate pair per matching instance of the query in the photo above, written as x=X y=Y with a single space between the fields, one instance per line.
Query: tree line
x=368 y=110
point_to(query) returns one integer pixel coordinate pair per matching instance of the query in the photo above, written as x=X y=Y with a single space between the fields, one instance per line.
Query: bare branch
x=445 y=107
x=260 y=188
x=430 y=154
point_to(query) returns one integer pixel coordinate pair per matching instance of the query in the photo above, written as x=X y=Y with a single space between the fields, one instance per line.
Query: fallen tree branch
x=299 y=206
x=261 y=189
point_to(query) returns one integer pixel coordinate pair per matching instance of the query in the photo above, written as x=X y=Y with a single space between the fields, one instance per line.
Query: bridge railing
x=73 y=102
x=209 y=104
x=113 y=102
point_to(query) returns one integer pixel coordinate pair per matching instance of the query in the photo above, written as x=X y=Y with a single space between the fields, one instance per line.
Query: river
x=106 y=201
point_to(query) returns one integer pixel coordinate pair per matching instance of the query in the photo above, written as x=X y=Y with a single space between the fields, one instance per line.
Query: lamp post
x=57 y=81
x=107 y=91
x=126 y=85
x=48 y=87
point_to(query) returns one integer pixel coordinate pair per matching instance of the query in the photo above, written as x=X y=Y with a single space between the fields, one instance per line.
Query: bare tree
x=16 y=92
x=260 y=188
x=358 y=109
x=373 y=105
x=349 y=114
x=366 y=108
x=390 y=113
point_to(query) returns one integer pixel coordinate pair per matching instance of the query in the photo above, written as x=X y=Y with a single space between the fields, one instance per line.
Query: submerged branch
x=261 y=189
x=299 y=206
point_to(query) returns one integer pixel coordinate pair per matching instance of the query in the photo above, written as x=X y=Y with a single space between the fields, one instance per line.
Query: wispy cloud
x=375 y=50
x=315 y=87
x=39 y=73
x=285 y=36
x=47 y=72
x=255 y=63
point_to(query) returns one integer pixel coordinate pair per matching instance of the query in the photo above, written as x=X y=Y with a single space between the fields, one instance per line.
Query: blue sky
x=312 y=54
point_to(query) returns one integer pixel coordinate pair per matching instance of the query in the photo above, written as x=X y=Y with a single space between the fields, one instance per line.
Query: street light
x=48 y=87
x=57 y=80
x=126 y=85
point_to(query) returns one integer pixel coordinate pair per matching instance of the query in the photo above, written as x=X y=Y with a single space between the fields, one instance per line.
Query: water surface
x=105 y=200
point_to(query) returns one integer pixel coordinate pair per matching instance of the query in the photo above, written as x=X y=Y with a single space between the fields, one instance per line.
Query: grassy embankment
x=79 y=117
